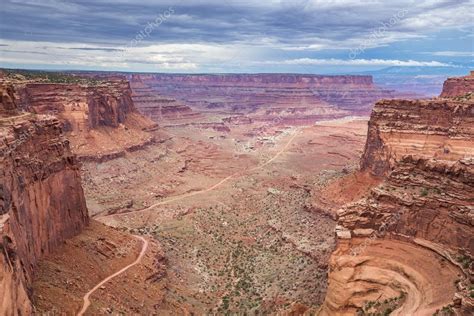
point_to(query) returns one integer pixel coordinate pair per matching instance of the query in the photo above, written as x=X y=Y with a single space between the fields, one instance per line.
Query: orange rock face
x=454 y=87
x=8 y=106
x=437 y=128
x=41 y=198
x=422 y=209
x=410 y=194
x=81 y=107
x=100 y=118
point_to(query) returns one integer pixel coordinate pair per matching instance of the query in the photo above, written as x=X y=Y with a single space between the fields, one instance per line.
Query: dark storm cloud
x=224 y=35
x=112 y=22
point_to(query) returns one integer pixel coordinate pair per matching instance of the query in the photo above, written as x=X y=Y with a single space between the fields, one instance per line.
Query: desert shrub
x=424 y=192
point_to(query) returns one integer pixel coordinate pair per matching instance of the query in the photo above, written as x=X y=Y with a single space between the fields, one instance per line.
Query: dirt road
x=87 y=302
x=215 y=186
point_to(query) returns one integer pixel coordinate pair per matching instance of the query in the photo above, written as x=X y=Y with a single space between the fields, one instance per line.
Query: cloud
x=299 y=23
x=104 y=49
x=452 y=54
x=164 y=57
x=361 y=62
x=239 y=31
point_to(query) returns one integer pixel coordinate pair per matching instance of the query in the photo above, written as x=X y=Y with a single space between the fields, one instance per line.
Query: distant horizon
x=461 y=71
x=235 y=36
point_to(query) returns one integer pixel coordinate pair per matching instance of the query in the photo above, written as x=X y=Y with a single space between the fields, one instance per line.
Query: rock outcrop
x=7 y=101
x=409 y=196
x=81 y=107
x=98 y=116
x=437 y=128
x=458 y=86
x=41 y=198
x=419 y=222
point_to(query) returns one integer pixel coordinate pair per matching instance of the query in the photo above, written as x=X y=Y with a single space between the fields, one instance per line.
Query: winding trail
x=215 y=186
x=87 y=301
x=173 y=199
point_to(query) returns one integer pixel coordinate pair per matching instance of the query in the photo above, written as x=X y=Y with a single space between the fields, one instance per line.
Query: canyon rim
x=236 y=158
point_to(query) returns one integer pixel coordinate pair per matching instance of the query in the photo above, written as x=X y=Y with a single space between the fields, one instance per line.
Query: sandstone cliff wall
x=99 y=118
x=256 y=79
x=41 y=198
x=407 y=248
x=458 y=86
x=428 y=199
x=438 y=128
x=7 y=100
x=411 y=238
x=81 y=107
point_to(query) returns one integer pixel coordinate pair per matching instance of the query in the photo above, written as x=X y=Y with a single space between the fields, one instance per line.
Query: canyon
x=43 y=206
x=273 y=98
x=224 y=194
x=424 y=151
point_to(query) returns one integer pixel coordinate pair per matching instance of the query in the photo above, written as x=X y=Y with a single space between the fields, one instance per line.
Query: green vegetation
x=387 y=311
x=382 y=308
x=466 y=97
x=424 y=192
x=445 y=311
x=50 y=77
x=239 y=270
x=464 y=260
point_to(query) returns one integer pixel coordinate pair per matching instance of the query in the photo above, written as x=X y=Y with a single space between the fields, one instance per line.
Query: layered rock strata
x=286 y=98
x=458 y=86
x=81 y=107
x=437 y=128
x=421 y=198
x=419 y=222
x=159 y=108
x=41 y=198
x=100 y=118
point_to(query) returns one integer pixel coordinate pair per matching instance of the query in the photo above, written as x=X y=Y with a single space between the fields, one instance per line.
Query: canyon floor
x=233 y=212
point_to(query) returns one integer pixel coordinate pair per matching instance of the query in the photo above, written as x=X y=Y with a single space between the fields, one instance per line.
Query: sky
x=221 y=36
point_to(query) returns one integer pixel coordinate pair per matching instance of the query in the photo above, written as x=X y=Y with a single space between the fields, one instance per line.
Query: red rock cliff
x=454 y=87
x=261 y=79
x=438 y=128
x=80 y=106
x=41 y=198
x=99 y=116
x=418 y=223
